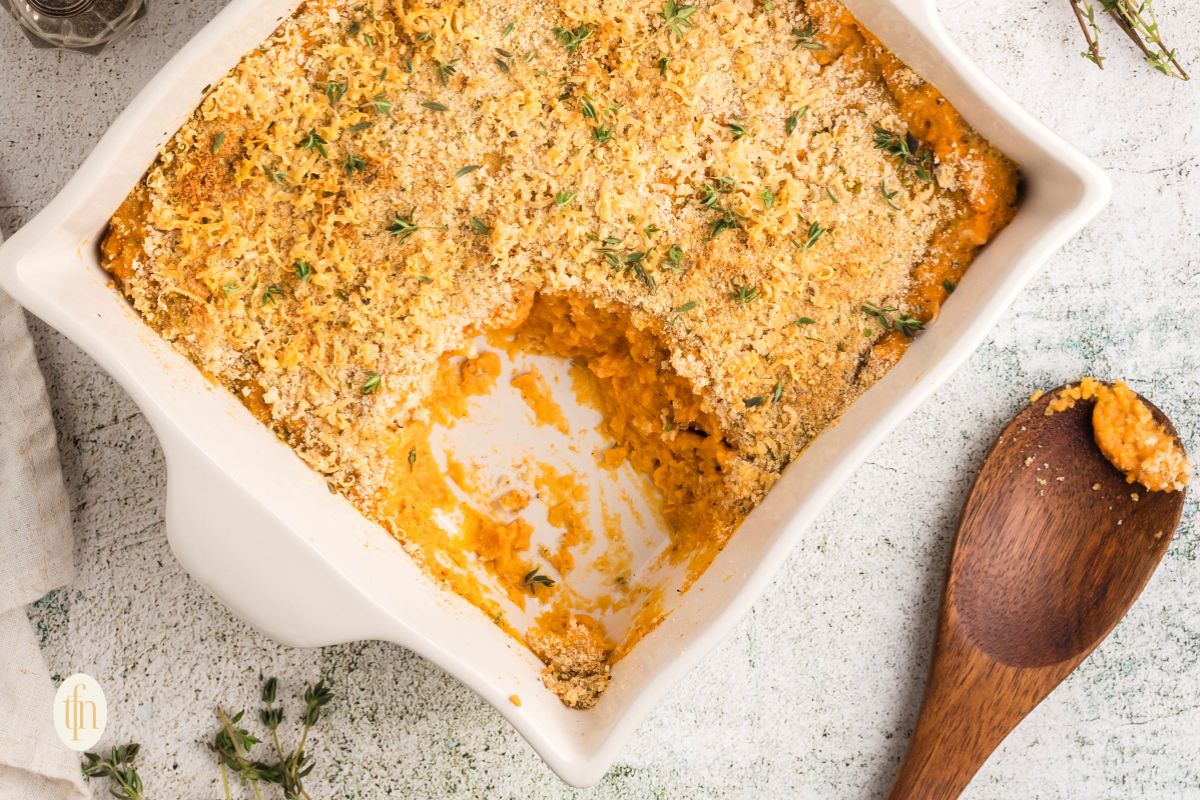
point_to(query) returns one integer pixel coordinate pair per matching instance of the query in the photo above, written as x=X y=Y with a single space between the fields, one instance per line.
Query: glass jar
x=85 y=25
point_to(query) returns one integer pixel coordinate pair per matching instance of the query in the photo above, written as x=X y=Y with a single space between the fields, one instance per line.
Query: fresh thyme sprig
x=815 y=232
x=571 y=38
x=234 y=745
x=353 y=164
x=120 y=769
x=806 y=38
x=379 y=104
x=1137 y=20
x=271 y=294
x=678 y=17
x=711 y=198
x=335 y=91
x=907 y=150
x=1086 y=15
x=601 y=133
x=445 y=69
x=314 y=141
x=744 y=294
x=623 y=262
x=891 y=318
x=403 y=227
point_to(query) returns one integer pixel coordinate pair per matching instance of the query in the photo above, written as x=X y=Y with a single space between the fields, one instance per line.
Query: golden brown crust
x=380 y=182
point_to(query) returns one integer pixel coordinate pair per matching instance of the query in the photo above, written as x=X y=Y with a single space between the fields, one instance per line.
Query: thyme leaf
x=314 y=141
x=379 y=104
x=806 y=38
x=533 y=579
x=891 y=318
x=789 y=124
x=815 y=232
x=335 y=91
x=678 y=17
x=744 y=294
x=271 y=294
x=675 y=259
x=571 y=38
x=445 y=69
x=907 y=150
x=353 y=164
x=888 y=196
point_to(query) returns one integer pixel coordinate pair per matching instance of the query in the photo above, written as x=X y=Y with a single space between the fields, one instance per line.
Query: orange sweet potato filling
x=654 y=419
x=1128 y=435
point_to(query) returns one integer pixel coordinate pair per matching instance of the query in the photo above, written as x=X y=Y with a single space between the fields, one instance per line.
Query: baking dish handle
x=263 y=577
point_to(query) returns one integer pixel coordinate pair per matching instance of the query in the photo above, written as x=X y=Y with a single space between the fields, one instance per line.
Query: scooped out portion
x=1128 y=435
x=569 y=534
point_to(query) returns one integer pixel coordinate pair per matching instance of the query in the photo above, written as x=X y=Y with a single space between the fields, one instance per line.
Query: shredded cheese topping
x=382 y=180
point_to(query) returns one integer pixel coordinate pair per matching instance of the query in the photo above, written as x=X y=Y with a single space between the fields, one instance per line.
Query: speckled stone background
x=814 y=694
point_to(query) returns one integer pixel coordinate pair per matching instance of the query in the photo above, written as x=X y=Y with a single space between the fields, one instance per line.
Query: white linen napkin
x=35 y=557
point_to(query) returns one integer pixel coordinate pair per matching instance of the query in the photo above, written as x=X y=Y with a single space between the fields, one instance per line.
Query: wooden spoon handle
x=971 y=703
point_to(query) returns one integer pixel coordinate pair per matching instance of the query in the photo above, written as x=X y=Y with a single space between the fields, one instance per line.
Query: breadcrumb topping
x=760 y=185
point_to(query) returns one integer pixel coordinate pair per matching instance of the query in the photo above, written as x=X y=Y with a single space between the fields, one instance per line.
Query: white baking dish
x=253 y=524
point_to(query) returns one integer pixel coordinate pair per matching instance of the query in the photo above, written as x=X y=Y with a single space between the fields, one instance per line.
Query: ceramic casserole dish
x=238 y=499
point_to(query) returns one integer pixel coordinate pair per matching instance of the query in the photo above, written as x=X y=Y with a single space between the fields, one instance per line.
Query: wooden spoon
x=1052 y=550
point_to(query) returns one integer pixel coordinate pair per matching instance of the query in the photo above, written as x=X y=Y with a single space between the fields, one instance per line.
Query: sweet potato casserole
x=730 y=217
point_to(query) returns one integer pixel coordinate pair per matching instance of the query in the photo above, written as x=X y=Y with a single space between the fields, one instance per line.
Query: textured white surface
x=815 y=693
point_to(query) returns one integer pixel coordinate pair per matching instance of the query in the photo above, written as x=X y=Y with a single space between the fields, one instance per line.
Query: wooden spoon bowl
x=1053 y=548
